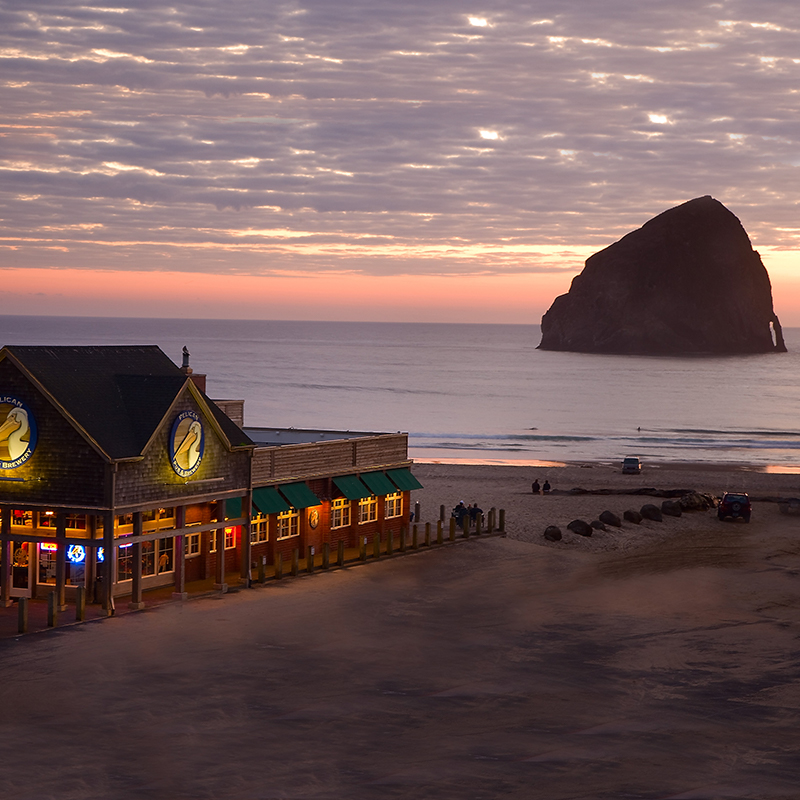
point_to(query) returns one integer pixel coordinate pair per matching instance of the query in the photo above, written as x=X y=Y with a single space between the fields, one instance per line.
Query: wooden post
x=362 y=543
x=279 y=566
x=179 y=557
x=452 y=529
x=441 y=513
x=478 y=523
x=295 y=562
x=90 y=564
x=414 y=538
x=136 y=566
x=439 y=532
x=80 y=603
x=22 y=615
x=416 y=512
x=402 y=538
x=310 y=560
x=502 y=525
x=61 y=561
x=6 y=557
x=427 y=534
x=340 y=553
x=245 y=545
x=52 y=609
x=326 y=555
x=490 y=525
x=108 y=564
x=376 y=546
x=262 y=572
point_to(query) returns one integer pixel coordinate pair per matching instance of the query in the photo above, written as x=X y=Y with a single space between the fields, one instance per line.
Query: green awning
x=378 y=483
x=268 y=501
x=233 y=508
x=299 y=495
x=351 y=487
x=403 y=479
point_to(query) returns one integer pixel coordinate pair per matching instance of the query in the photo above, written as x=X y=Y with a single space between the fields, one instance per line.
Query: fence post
x=326 y=555
x=52 y=610
x=490 y=524
x=439 y=532
x=415 y=538
x=502 y=525
x=295 y=561
x=80 y=603
x=310 y=560
x=402 y=538
x=362 y=544
x=416 y=512
x=452 y=529
x=478 y=523
x=441 y=513
x=340 y=553
x=376 y=546
x=279 y=566
x=22 y=615
x=262 y=570
x=427 y=534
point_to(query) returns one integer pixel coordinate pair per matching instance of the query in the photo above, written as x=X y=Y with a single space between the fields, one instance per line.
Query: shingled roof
x=119 y=395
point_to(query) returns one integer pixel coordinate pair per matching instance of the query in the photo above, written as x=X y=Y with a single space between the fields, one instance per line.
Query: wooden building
x=119 y=474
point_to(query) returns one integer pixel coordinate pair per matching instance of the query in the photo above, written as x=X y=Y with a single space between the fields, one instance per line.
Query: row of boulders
x=691 y=501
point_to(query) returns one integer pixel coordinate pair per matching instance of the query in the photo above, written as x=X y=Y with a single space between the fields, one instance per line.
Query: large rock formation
x=687 y=282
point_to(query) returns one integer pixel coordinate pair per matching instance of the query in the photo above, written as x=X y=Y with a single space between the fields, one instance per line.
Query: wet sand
x=658 y=661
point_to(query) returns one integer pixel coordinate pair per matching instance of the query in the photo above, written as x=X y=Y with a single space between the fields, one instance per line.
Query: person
x=546 y=487
x=459 y=512
x=474 y=511
x=535 y=487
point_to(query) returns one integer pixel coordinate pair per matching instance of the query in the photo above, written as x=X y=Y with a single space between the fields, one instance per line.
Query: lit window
x=24 y=518
x=47 y=519
x=125 y=562
x=394 y=505
x=288 y=523
x=165 y=551
x=76 y=521
x=340 y=513
x=367 y=509
x=258 y=529
x=212 y=541
x=230 y=538
x=191 y=544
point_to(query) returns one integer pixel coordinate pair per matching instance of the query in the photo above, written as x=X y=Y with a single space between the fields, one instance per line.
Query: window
x=367 y=510
x=165 y=551
x=288 y=523
x=47 y=519
x=212 y=541
x=230 y=538
x=191 y=544
x=258 y=529
x=76 y=521
x=340 y=513
x=125 y=562
x=22 y=518
x=394 y=505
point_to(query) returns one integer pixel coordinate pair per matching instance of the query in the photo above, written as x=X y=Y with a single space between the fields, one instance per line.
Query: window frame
x=367 y=510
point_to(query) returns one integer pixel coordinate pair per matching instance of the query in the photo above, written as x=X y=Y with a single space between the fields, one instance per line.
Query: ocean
x=475 y=393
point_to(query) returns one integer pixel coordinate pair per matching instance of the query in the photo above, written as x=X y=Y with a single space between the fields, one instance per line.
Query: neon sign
x=49 y=546
x=76 y=554
x=101 y=556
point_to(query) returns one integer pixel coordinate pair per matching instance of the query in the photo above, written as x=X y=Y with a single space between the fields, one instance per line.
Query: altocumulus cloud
x=386 y=137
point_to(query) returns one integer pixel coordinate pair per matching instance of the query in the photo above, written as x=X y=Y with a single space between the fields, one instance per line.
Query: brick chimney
x=198 y=379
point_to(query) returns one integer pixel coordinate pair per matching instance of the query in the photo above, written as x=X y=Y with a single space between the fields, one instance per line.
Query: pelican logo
x=186 y=443
x=17 y=433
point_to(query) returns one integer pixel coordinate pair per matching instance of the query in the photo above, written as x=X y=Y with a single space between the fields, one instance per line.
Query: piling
x=376 y=546
x=295 y=562
x=326 y=555
x=502 y=525
x=439 y=532
x=52 y=609
x=340 y=554
x=22 y=615
x=403 y=538
x=310 y=560
x=414 y=538
x=362 y=543
x=80 y=603
x=427 y=534
x=452 y=529
x=441 y=513
x=279 y=566
x=478 y=524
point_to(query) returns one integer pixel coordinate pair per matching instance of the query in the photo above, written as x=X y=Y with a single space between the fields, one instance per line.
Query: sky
x=376 y=159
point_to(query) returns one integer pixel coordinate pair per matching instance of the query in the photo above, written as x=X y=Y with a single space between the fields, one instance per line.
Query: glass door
x=21 y=565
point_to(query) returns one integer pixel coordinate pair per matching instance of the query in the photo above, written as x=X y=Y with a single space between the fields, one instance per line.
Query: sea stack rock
x=688 y=282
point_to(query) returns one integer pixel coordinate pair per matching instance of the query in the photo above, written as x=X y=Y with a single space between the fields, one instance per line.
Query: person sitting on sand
x=546 y=487
x=535 y=488
x=459 y=512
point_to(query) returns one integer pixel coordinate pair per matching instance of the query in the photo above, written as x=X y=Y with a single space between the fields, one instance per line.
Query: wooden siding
x=234 y=409
x=339 y=457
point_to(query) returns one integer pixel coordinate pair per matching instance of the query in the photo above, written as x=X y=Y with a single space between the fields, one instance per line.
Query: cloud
x=390 y=137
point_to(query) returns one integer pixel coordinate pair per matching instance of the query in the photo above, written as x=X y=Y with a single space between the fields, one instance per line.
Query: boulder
x=633 y=516
x=687 y=282
x=672 y=508
x=649 y=511
x=597 y=525
x=694 y=501
x=580 y=527
x=610 y=518
x=552 y=533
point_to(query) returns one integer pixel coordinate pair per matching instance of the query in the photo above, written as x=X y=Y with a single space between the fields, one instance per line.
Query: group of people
x=461 y=512
x=543 y=489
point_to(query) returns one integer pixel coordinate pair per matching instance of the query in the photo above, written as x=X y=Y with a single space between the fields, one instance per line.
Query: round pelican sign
x=186 y=443
x=17 y=432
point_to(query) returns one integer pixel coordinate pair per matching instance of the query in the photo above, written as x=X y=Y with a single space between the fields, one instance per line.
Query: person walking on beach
x=546 y=487
x=535 y=488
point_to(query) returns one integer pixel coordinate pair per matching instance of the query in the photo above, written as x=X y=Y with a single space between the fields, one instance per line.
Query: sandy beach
x=651 y=661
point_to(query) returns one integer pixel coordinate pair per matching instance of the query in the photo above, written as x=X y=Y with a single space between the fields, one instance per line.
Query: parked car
x=734 y=505
x=631 y=465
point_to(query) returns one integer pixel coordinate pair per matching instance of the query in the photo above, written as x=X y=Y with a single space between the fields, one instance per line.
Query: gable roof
x=118 y=395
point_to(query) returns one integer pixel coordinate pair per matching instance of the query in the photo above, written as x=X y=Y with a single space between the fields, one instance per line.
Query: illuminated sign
x=50 y=546
x=76 y=554
x=101 y=555
x=18 y=432
x=186 y=443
